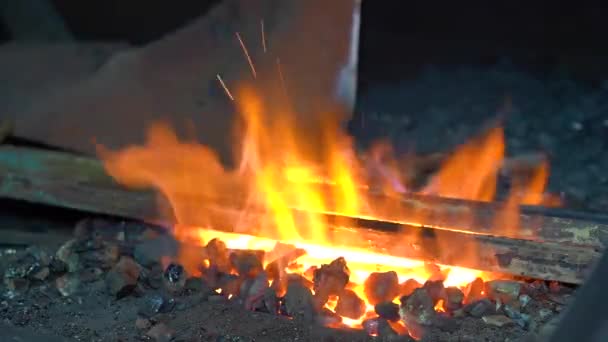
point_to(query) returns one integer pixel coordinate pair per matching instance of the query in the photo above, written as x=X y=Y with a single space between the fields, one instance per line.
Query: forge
x=275 y=223
x=330 y=238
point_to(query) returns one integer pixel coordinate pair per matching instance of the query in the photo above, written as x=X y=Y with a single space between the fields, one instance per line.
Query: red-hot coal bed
x=275 y=232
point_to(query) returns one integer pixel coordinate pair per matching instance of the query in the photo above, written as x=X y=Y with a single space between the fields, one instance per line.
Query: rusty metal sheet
x=174 y=78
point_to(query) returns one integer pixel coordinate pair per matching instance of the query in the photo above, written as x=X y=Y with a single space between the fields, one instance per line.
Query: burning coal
x=296 y=170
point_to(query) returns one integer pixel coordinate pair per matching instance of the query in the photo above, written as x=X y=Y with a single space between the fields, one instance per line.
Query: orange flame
x=281 y=166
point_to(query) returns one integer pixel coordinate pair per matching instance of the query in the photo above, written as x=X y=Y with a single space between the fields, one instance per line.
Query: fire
x=312 y=167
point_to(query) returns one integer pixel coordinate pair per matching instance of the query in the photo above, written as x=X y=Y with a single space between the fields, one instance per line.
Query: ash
x=112 y=280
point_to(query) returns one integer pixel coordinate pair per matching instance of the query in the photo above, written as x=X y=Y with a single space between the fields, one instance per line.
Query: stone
x=122 y=278
x=350 y=305
x=418 y=307
x=497 y=320
x=521 y=319
x=388 y=311
x=381 y=287
x=480 y=308
x=507 y=291
x=160 y=333
x=298 y=302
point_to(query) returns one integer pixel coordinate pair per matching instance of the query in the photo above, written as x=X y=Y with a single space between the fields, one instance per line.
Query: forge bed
x=563 y=118
x=93 y=314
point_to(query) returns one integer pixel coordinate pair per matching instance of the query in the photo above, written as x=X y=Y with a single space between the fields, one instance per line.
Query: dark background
x=398 y=37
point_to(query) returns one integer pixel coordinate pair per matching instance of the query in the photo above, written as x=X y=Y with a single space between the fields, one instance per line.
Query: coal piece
x=247 y=263
x=507 y=291
x=480 y=308
x=155 y=304
x=388 y=311
x=474 y=291
x=298 y=302
x=350 y=305
x=418 y=308
x=381 y=287
x=379 y=327
x=435 y=289
x=454 y=298
x=331 y=279
x=218 y=255
x=122 y=278
x=327 y=317
x=253 y=290
x=407 y=287
x=271 y=302
x=174 y=278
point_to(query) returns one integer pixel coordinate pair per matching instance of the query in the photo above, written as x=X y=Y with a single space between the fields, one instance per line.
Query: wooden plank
x=65 y=180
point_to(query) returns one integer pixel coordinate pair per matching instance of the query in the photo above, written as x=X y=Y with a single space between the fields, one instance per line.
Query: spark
x=263 y=35
x=219 y=78
x=281 y=78
x=238 y=36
